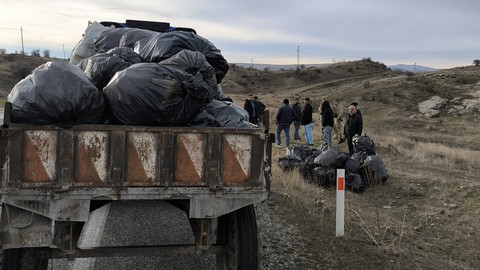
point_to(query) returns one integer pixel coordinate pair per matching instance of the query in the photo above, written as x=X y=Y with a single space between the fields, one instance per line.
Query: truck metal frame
x=53 y=178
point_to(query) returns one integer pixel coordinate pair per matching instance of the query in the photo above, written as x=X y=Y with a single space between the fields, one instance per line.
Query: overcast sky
x=434 y=33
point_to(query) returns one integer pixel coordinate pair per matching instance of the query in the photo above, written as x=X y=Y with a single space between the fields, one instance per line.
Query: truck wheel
x=22 y=259
x=238 y=231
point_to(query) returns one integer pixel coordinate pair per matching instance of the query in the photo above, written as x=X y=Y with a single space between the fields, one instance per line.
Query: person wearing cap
x=296 y=121
x=285 y=116
x=307 y=121
x=353 y=126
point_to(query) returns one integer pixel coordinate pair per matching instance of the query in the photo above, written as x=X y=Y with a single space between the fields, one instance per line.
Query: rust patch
x=86 y=171
x=232 y=170
x=185 y=168
x=33 y=168
x=91 y=157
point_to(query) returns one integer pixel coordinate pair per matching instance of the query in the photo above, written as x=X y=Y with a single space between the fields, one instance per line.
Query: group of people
x=287 y=115
x=334 y=124
x=254 y=107
x=333 y=119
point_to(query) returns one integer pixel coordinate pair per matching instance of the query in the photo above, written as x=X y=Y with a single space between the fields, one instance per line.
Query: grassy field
x=427 y=215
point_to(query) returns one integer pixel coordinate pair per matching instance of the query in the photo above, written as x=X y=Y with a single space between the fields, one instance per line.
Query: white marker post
x=340 y=203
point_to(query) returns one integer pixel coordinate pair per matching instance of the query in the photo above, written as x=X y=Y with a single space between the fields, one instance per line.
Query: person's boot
x=341 y=140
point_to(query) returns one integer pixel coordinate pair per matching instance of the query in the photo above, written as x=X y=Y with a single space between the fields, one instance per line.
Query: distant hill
x=277 y=67
x=411 y=68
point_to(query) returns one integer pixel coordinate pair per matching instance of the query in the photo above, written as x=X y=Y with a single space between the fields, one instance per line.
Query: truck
x=55 y=180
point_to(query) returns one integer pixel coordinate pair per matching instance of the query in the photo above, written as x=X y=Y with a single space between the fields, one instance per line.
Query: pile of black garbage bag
x=363 y=169
x=132 y=77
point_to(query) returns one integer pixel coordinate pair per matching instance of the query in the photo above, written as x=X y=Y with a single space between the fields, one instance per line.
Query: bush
x=21 y=70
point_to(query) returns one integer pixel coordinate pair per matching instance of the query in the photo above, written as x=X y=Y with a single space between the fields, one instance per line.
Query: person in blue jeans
x=285 y=116
x=327 y=122
x=307 y=122
x=296 y=121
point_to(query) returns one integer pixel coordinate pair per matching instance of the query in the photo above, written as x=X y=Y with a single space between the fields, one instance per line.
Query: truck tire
x=22 y=259
x=238 y=231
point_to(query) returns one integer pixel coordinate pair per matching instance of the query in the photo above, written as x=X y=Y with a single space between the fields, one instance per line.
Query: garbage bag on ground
x=352 y=166
x=306 y=168
x=363 y=144
x=287 y=163
x=57 y=93
x=324 y=176
x=109 y=39
x=302 y=151
x=373 y=170
x=101 y=67
x=223 y=114
x=332 y=157
x=354 y=182
x=164 y=45
x=360 y=157
x=84 y=47
x=156 y=95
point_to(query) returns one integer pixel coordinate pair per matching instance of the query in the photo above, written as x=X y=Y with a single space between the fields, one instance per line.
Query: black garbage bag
x=57 y=93
x=164 y=45
x=373 y=170
x=306 y=168
x=109 y=39
x=354 y=182
x=101 y=67
x=204 y=119
x=131 y=37
x=360 y=157
x=324 y=176
x=193 y=62
x=303 y=151
x=352 y=166
x=151 y=94
x=332 y=157
x=288 y=162
x=223 y=114
x=363 y=144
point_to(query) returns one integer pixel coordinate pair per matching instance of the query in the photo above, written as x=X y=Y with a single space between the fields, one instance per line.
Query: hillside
x=426 y=216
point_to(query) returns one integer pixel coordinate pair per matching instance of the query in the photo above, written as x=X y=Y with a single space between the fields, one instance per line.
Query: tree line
x=33 y=53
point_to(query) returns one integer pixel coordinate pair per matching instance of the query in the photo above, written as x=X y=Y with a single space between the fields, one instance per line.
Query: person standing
x=338 y=117
x=353 y=126
x=327 y=122
x=260 y=108
x=285 y=116
x=307 y=122
x=296 y=120
x=250 y=107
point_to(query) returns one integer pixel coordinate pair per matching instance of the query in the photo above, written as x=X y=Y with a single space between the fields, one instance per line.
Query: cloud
x=386 y=30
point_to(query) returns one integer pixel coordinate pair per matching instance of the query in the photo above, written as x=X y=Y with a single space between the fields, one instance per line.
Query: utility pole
x=298 y=57
x=21 y=33
x=252 y=63
x=63 y=51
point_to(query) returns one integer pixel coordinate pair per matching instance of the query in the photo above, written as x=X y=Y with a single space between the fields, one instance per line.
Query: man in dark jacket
x=250 y=107
x=296 y=120
x=353 y=126
x=307 y=122
x=259 y=106
x=285 y=116
x=327 y=122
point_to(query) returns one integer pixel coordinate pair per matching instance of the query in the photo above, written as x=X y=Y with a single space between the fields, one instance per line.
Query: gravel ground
x=142 y=223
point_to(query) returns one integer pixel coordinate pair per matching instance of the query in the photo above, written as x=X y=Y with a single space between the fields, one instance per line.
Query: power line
x=43 y=38
x=7 y=28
